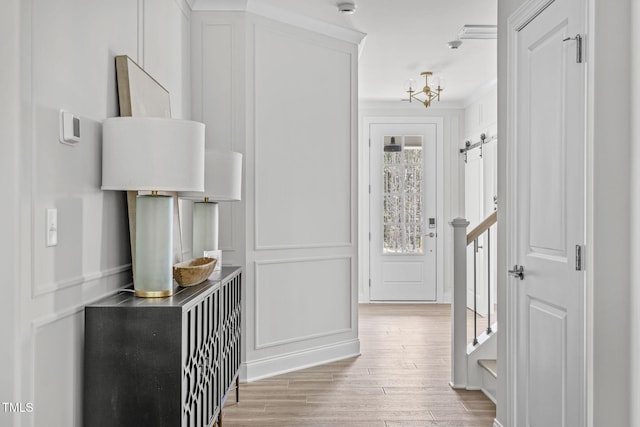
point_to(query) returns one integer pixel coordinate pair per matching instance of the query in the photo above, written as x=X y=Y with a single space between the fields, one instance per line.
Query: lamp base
x=205 y=228
x=153 y=273
x=153 y=294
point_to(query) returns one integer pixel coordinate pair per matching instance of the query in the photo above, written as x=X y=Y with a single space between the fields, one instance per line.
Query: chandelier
x=426 y=95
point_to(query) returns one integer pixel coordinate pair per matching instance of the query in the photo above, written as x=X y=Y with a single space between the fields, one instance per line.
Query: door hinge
x=578 y=39
x=579 y=263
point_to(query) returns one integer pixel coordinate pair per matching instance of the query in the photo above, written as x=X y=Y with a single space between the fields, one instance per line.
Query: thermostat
x=69 y=128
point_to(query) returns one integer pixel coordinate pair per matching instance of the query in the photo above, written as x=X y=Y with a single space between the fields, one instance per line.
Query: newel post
x=459 y=305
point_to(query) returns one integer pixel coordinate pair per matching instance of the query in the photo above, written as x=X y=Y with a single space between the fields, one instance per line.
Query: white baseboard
x=268 y=367
x=496 y=423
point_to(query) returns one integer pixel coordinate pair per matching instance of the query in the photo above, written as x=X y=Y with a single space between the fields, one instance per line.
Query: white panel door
x=403 y=213
x=548 y=174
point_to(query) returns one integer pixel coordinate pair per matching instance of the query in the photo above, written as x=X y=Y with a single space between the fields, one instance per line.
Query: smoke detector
x=347 y=8
x=454 y=44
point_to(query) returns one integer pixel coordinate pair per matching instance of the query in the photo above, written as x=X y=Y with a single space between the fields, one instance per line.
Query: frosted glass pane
x=392 y=209
x=413 y=209
x=392 y=239
x=392 y=180
x=403 y=208
x=414 y=238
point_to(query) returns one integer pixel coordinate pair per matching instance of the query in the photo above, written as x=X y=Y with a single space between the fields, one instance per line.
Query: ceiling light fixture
x=392 y=147
x=427 y=93
x=454 y=44
x=347 y=8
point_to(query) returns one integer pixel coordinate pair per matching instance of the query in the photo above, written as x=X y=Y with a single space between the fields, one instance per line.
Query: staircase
x=489 y=377
x=473 y=361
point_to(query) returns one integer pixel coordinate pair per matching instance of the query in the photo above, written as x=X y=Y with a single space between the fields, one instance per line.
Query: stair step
x=490 y=366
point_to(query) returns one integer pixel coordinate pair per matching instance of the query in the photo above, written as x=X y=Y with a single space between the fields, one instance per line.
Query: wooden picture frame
x=140 y=95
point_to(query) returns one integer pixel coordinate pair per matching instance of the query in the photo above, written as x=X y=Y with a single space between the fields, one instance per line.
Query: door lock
x=518 y=271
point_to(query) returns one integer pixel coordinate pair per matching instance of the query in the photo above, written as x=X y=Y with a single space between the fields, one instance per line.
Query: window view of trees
x=403 y=199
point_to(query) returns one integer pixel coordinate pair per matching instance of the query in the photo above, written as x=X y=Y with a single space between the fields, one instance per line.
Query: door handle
x=432 y=234
x=518 y=271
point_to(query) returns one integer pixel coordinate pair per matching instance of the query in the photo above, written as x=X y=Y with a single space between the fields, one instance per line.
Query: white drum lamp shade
x=153 y=154
x=223 y=183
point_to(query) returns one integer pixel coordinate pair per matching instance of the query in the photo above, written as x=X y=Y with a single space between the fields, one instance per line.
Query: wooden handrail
x=482 y=227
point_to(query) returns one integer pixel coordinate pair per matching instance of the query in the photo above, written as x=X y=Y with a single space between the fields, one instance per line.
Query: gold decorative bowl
x=194 y=272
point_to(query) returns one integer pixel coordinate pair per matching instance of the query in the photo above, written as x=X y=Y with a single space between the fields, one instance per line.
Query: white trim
x=363 y=190
x=366 y=104
x=218 y=5
x=303 y=246
x=79 y=280
x=497 y=423
x=281 y=15
x=589 y=326
x=527 y=13
x=271 y=366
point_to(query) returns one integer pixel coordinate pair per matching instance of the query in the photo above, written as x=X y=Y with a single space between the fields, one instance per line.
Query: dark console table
x=163 y=361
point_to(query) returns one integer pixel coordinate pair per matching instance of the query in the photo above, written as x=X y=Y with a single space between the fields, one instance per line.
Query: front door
x=403 y=212
x=548 y=201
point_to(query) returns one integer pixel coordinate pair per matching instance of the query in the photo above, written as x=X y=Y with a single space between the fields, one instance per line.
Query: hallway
x=401 y=379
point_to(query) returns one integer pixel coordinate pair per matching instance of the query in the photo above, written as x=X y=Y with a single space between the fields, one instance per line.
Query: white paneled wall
x=64 y=52
x=286 y=97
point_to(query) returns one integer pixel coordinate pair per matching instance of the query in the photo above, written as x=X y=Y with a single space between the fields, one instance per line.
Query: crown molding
x=258 y=7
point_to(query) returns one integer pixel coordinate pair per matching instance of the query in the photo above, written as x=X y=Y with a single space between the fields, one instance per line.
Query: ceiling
x=406 y=37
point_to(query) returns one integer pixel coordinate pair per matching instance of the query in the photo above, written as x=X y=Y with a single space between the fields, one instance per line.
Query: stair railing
x=459 y=306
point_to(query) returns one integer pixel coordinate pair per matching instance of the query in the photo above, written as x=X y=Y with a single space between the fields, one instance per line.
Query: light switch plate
x=51 y=231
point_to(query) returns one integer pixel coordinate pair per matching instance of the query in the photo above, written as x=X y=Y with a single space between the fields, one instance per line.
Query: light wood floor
x=401 y=379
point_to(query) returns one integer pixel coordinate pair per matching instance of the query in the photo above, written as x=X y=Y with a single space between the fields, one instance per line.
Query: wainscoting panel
x=302 y=299
x=57 y=370
x=303 y=195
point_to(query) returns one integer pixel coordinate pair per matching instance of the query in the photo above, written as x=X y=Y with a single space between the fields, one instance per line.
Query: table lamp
x=222 y=182
x=153 y=154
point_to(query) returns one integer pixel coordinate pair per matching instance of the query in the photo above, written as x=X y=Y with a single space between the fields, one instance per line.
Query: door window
x=403 y=164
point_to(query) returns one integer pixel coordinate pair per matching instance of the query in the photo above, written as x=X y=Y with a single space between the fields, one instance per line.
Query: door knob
x=518 y=271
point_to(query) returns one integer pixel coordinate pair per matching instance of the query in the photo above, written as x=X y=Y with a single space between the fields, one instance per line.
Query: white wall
x=634 y=377
x=452 y=127
x=59 y=55
x=608 y=212
x=10 y=212
x=286 y=98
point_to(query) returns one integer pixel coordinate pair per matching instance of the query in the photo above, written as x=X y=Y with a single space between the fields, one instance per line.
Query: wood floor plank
x=400 y=380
